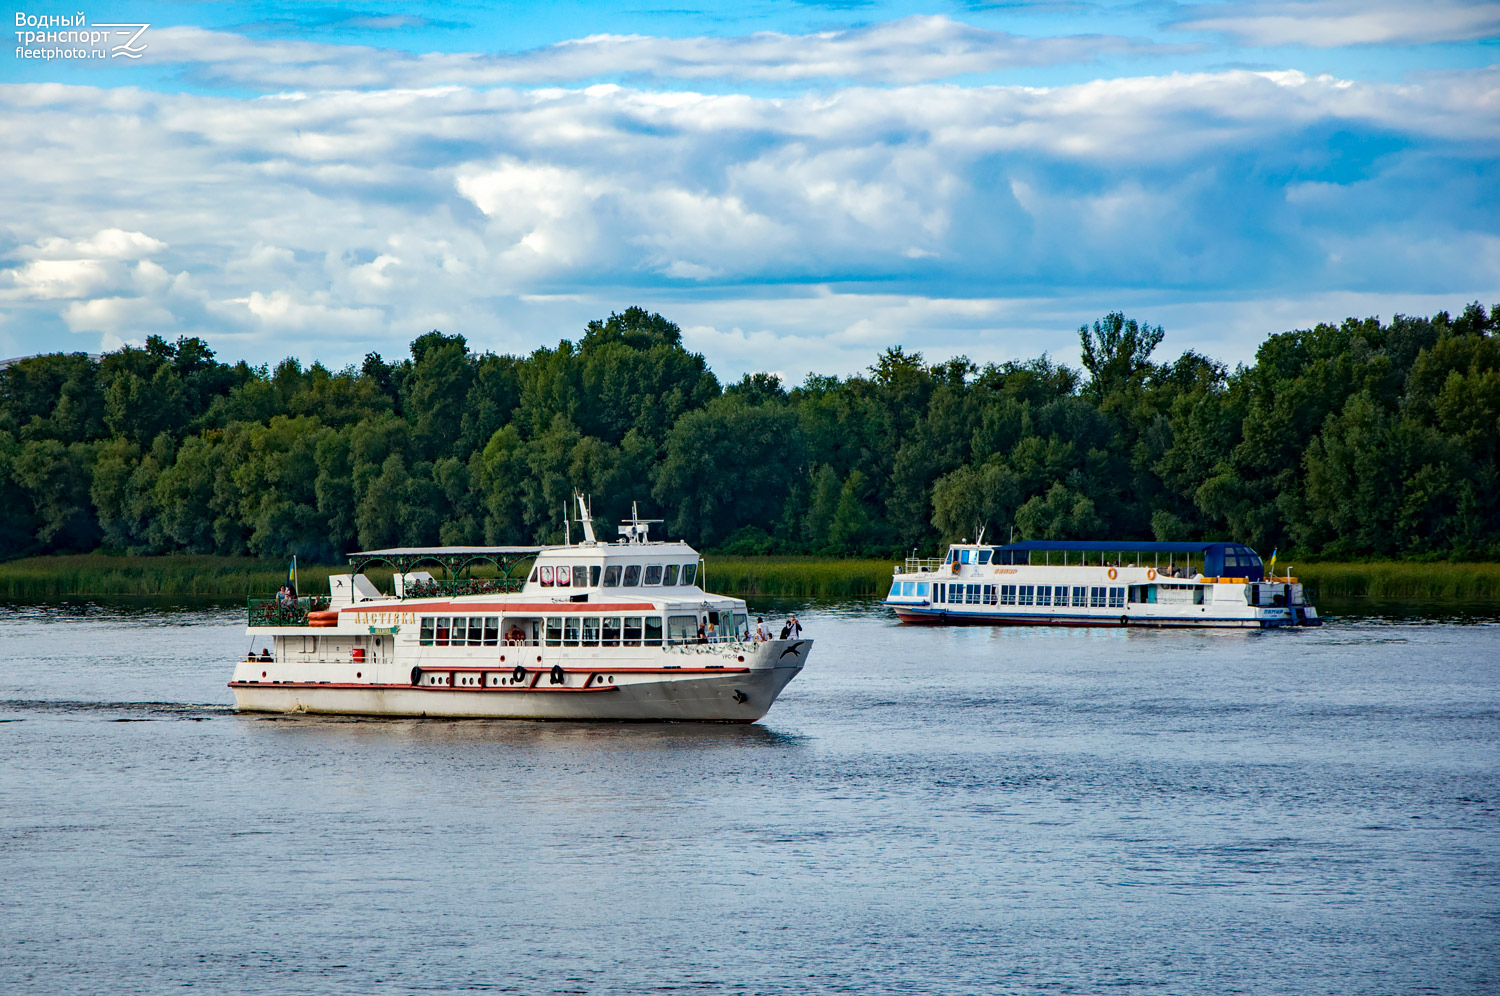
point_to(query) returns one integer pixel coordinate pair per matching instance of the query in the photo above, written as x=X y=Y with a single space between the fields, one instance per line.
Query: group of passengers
x=708 y=631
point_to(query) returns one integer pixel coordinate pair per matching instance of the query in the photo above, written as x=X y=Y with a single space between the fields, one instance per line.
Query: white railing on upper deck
x=917 y=565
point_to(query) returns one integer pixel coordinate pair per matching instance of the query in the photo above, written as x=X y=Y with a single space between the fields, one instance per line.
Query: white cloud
x=1336 y=23
x=334 y=223
x=907 y=50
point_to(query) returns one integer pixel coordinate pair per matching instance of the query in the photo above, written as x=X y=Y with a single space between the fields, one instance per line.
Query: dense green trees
x=1350 y=440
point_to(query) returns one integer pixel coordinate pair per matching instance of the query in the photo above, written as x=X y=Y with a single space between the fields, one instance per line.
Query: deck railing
x=916 y=565
x=292 y=612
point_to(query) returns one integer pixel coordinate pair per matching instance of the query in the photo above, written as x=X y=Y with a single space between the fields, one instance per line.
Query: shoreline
x=208 y=576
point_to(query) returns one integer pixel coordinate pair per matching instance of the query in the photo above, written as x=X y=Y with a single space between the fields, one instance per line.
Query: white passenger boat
x=1099 y=584
x=596 y=631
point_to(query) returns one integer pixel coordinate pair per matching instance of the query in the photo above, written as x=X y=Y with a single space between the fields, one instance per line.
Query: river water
x=924 y=811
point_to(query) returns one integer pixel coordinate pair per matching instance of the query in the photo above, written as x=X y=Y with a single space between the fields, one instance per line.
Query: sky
x=798 y=185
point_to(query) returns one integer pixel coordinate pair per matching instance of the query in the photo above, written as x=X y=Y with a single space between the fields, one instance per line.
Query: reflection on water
x=924 y=810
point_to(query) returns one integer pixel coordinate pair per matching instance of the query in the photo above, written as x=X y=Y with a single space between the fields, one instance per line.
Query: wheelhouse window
x=594 y=571
x=653 y=574
x=689 y=572
x=580 y=576
x=564 y=575
x=546 y=576
x=633 y=576
x=670 y=575
x=984 y=556
x=612 y=576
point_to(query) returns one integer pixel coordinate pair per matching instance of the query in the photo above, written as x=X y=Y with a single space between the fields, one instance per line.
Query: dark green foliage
x=1360 y=439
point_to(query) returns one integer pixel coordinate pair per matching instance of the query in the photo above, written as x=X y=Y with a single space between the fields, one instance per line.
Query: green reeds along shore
x=39 y=578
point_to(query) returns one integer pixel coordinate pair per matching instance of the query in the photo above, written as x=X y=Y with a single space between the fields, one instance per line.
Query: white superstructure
x=598 y=631
x=1099 y=584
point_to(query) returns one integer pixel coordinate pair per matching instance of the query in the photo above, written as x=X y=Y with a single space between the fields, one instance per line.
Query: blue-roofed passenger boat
x=1111 y=583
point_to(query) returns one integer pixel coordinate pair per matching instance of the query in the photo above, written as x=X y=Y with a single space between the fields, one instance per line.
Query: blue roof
x=1112 y=546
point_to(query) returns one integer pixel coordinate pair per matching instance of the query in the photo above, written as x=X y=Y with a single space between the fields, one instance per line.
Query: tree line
x=1351 y=440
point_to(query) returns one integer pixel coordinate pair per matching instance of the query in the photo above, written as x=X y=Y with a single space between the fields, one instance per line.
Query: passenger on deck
x=702 y=633
x=762 y=634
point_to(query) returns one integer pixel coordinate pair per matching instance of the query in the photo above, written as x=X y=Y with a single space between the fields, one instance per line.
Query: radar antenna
x=637 y=529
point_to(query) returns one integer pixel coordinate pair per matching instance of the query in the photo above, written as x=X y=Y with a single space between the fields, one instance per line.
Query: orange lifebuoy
x=955 y=567
x=1113 y=573
x=1150 y=574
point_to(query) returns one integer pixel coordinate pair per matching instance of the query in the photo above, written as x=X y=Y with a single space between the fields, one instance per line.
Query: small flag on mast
x=291 y=576
x=1273 y=560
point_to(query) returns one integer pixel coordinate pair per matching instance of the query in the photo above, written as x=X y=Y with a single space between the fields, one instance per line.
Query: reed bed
x=38 y=578
x=1404 y=581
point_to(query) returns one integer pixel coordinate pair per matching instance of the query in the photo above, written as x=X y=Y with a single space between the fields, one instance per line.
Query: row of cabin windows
x=603 y=631
x=909 y=588
x=460 y=631
x=613 y=575
x=1094 y=597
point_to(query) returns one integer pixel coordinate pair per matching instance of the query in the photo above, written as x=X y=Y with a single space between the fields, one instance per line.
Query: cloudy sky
x=797 y=184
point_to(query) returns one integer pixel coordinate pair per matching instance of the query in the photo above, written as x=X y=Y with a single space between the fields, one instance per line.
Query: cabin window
x=612 y=576
x=1198 y=594
x=653 y=631
x=653 y=574
x=1007 y=594
x=1079 y=597
x=442 y=631
x=546 y=576
x=984 y=556
x=1096 y=597
x=1117 y=598
x=921 y=589
x=570 y=631
x=1028 y=595
x=590 y=631
x=895 y=589
x=426 y=639
x=633 y=631
x=689 y=572
x=682 y=629
x=633 y=576
x=741 y=625
x=476 y=631
x=611 y=631
x=1044 y=594
x=580 y=576
x=491 y=631
x=554 y=631
x=564 y=575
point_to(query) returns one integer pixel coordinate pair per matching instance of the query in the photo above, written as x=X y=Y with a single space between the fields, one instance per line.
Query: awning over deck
x=452 y=559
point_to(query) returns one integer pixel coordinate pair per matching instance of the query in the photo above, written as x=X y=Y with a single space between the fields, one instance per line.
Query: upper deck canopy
x=451 y=558
x=1112 y=546
x=1227 y=559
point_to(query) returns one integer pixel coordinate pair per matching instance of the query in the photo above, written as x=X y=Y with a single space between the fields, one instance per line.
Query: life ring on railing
x=1113 y=573
x=1150 y=574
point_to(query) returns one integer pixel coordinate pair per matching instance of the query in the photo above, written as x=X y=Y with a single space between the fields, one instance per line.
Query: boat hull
x=735 y=696
x=1126 y=621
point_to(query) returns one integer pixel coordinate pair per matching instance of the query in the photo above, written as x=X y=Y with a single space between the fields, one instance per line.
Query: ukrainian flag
x=1273 y=559
x=291 y=576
